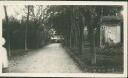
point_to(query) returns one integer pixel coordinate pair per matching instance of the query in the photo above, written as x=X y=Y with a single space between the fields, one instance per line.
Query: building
x=111 y=31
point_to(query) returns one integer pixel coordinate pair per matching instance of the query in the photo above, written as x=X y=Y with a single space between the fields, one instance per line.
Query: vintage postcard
x=63 y=39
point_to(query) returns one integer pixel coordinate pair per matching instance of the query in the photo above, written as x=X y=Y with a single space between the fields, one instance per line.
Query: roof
x=112 y=18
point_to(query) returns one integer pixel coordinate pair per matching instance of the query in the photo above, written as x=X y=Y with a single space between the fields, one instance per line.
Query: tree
x=69 y=19
x=36 y=25
x=93 y=15
x=26 y=29
x=8 y=32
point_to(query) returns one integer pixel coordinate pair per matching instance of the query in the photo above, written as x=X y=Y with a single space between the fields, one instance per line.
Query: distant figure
x=4 y=56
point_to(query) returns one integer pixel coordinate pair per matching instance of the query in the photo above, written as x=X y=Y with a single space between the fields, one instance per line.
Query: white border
x=124 y=4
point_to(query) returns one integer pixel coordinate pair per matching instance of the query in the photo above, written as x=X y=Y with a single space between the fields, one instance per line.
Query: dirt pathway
x=50 y=59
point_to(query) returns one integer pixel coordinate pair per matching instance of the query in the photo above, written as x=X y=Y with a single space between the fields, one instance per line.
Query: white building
x=111 y=30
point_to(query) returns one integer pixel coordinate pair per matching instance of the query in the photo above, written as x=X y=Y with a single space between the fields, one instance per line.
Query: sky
x=14 y=10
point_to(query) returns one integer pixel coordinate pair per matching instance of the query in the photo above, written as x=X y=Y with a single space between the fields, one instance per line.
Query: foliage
x=68 y=21
x=35 y=30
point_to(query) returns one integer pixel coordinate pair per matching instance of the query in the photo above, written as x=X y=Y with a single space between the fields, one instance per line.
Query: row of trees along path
x=35 y=28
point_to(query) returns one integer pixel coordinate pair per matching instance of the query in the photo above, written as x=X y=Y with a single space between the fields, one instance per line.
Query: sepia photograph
x=65 y=77
x=63 y=39
x=63 y=0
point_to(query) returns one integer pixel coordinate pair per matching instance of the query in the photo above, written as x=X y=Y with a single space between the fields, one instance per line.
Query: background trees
x=34 y=29
x=71 y=20
x=28 y=32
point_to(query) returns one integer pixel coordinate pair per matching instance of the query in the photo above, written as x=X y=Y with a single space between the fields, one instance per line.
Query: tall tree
x=26 y=29
x=68 y=21
x=8 y=31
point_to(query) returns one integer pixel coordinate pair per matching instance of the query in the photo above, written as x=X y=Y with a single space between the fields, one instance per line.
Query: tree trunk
x=93 y=48
x=92 y=45
x=8 y=32
x=26 y=29
x=92 y=41
x=81 y=38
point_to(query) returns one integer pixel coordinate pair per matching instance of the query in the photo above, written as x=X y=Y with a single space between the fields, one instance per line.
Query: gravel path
x=50 y=59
